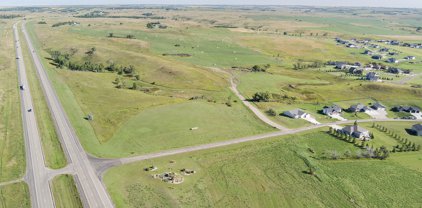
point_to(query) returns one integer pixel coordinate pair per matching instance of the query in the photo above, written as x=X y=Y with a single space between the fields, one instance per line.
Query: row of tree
x=64 y=23
x=378 y=153
x=406 y=145
x=305 y=65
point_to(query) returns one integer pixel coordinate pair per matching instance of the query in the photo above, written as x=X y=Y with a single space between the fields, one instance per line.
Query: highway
x=92 y=191
x=36 y=172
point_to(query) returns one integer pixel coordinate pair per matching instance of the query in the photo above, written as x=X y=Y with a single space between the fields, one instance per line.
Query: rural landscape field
x=210 y=106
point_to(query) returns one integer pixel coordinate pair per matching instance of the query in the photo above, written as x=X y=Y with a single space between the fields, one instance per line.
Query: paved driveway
x=311 y=120
x=377 y=114
x=338 y=117
x=417 y=115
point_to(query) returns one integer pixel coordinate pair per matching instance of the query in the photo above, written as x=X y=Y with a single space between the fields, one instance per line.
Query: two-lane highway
x=36 y=172
x=93 y=193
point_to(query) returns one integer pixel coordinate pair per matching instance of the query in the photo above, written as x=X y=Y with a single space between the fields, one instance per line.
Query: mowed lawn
x=65 y=192
x=271 y=174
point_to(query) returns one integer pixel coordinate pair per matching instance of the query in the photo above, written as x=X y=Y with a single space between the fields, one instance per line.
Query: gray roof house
x=377 y=57
x=296 y=113
x=409 y=109
x=417 y=129
x=356 y=131
x=357 y=108
x=372 y=76
x=330 y=110
x=392 y=60
x=378 y=106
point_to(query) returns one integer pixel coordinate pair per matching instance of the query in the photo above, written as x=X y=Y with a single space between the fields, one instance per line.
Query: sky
x=359 y=3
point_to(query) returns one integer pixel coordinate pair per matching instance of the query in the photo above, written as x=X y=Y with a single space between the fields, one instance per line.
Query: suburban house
x=394 y=71
x=409 y=109
x=392 y=60
x=378 y=106
x=296 y=113
x=410 y=57
x=358 y=108
x=377 y=57
x=417 y=129
x=356 y=131
x=331 y=110
x=355 y=70
x=372 y=76
x=368 y=52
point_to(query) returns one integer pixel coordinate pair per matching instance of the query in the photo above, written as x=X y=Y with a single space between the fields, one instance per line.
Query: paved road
x=93 y=193
x=103 y=165
x=36 y=172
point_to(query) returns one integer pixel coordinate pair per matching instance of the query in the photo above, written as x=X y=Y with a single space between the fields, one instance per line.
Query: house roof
x=298 y=112
x=354 y=129
x=333 y=108
x=378 y=105
x=417 y=127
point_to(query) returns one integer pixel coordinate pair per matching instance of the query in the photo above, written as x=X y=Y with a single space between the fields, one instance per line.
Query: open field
x=53 y=152
x=122 y=117
x=12 y=155
x=231 y=176
x=15 y=195
x=65 y=192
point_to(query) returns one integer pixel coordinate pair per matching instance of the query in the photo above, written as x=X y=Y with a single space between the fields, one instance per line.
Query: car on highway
x=30 y=110
x=21 y=87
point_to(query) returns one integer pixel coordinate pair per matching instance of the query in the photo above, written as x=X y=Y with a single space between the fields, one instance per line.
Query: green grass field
x=65 y=192
x=53 y=152
x=15 y=195
x=270 y=174
x=12 y=154
x=127 y=122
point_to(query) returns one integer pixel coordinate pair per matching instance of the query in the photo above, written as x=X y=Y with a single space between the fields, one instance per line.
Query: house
x=356 y=131
x=417 y=129
x=355 y=70
x=392 y=60
x=296 y=113
x=394 y=71
x=409 y=109
x=331 y=110
x=377 y=57
x=357 y=108
x=384 y=50
x=368 y=52
x=394 y=42
x=378 y=106
x=350 y=45
x=410 y=58
x=372 y=76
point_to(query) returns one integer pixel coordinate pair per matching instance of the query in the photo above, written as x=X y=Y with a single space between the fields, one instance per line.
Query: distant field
x=65 y=192
x=15 y=195
x=12 y=153
x=232 y=176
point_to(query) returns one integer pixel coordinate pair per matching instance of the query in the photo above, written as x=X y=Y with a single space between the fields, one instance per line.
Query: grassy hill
x=272 y=173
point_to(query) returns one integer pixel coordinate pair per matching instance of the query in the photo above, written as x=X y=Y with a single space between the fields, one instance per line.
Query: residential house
x=378 y=106
x=392 y=60
x=355 y=70
x=296 y=113
x=394 y=71
x=417 y=129
x=368 y=52
x=372 y=76
x=409 y=109
x=356 y=131
x=331 y=110
x=358 y=108
x=377 y=57
x=410 y=58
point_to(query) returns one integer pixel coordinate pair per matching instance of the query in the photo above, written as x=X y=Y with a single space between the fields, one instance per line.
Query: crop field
x=232 y=176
